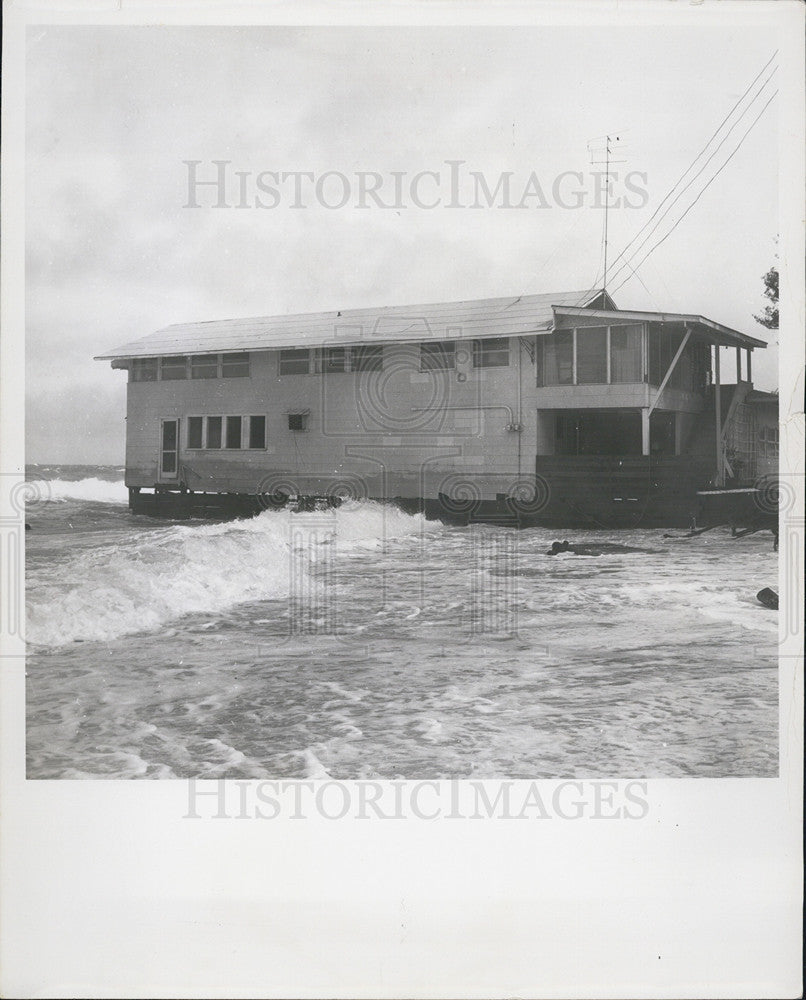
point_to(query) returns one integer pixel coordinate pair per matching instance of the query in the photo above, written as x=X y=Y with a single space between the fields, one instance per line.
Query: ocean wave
x=92 y=489
x=140 y=583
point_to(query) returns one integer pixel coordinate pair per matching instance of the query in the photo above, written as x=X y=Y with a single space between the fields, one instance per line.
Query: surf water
x=365 y=642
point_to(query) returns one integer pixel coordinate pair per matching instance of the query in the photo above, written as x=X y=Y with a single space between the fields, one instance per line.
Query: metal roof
x=715 y=332
x=511 y=316
x=762 y=397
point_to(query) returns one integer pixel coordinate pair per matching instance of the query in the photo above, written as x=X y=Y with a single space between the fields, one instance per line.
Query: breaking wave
x=93 y=490
x=139 y=583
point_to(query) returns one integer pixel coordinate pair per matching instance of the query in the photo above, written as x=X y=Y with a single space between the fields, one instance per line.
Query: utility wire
x=742 y=116
x=637 y=275
x=697 y=157
x=713 y=178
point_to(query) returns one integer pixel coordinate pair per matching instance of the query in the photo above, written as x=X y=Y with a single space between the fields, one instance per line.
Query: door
x=169 y=450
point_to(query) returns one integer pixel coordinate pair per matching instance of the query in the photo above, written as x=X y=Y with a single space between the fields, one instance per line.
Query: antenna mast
x=608 y=139
x=607 y=189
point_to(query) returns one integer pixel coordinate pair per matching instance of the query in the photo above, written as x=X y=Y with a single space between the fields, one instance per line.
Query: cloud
x=112 y=113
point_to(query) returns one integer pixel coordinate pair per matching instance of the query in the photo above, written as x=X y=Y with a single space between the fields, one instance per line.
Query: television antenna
x=605 y=145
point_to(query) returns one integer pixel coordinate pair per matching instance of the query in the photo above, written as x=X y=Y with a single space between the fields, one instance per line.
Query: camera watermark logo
x=493 y=554
x=311 y=538
x=775 y=500
x=18 y=498
x=775 y=494
x=493 y=600
x=401 y=391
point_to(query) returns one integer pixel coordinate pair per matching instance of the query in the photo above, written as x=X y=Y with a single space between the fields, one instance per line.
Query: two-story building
x=557 y=409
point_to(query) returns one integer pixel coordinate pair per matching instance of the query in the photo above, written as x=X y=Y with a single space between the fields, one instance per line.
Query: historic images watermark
x=422 y=416
x=452 y=185
x=18 y=497
x=317 y=553
x=776 y=501
x=422 y=800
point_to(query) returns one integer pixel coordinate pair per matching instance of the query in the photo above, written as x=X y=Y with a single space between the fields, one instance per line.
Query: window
x=195 y=428
x=491 y=353
x=204 y=366
x=333 y=359
x=174 y=368
x=233 y=437
x=592 y=355
x=558 y=358
x=297 y=421
x=233 y=432
x=257 y=432
x=293 y=362
x=625 y=353
x=235 y=366
x=144 y=370
x=438 y=356
x=367 y=358
x=769 y=443
x=213 y=432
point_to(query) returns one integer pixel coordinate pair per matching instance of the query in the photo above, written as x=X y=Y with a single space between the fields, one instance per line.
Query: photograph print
x=402 y=402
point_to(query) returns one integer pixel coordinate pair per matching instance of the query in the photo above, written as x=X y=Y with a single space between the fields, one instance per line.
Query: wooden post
x=718 y=414
x=645 y=430
x=645 y=353
x=749 y=365
x=738 y=365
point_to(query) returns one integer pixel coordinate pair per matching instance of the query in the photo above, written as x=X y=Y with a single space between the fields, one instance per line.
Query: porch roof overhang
x=713 y=332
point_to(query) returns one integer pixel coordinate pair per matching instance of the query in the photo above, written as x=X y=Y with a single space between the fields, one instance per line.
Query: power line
x=693 y=162
x=697 y=157
x=637 y=275
x=708 y=184
x=741 y=117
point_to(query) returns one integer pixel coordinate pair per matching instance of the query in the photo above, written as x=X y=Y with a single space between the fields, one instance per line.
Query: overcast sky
x=114 y=254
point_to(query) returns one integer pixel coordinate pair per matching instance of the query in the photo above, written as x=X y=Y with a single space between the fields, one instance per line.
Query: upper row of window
x=434 y=355
x=190 y=366
x=587 y=355
x=439 y=355
x=601 y=355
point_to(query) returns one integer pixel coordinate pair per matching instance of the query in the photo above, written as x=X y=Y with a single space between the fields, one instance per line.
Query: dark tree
x=769 y=317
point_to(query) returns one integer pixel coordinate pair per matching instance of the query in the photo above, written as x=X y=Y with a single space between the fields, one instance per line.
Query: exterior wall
x=689 y=441
x=625 y=395
x=546 y=442
x=680 y=400
x=398 y=432
x=767 y=458
x=395 y=432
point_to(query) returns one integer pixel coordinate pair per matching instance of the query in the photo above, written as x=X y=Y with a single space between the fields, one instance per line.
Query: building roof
x=715 y=333
x=761 y=397
x=511 y=316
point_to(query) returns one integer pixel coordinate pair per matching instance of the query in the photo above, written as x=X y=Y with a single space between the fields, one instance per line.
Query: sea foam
x=140 y=583
x=94 y=490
